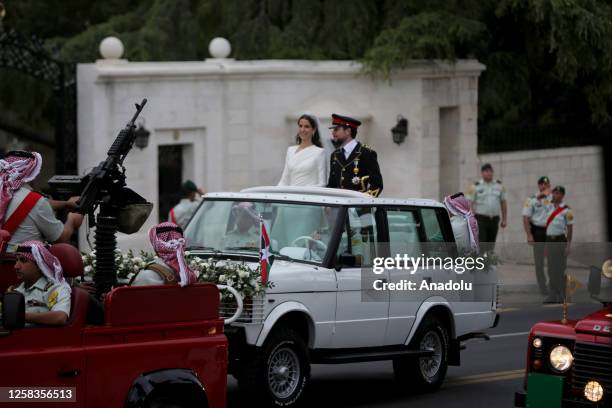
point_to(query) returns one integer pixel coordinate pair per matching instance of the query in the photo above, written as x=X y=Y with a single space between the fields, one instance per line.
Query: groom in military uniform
x=353 y=165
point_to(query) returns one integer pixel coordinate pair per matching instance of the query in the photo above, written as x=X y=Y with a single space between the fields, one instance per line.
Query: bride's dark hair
x=316 y=138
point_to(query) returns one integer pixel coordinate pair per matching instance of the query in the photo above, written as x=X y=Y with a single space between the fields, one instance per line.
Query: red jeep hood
x=598 y=323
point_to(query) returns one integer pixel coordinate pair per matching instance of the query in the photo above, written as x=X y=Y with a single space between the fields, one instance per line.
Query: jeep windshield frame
x=304 y=232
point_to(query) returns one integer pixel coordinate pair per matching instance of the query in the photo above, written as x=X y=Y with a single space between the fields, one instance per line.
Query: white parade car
x=324 y=306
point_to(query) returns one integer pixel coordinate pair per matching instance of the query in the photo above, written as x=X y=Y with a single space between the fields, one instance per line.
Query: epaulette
x=49 y=285
x=498 y=181
x=477 y=183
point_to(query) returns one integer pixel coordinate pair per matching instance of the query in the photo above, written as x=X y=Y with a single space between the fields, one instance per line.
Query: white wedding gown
x=307 y=167
x=304 y=168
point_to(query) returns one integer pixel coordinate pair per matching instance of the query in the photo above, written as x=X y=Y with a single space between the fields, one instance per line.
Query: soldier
x=559 y=230
x=463 y=224
x=170 y=267
x=46 y=292
x=353 y=165
x=535 y=214
x=27 y=215
x=181 y=213
x=488 y=200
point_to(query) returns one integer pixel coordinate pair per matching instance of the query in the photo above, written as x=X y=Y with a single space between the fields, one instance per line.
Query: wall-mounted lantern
x=142 y=137
x=400 y=130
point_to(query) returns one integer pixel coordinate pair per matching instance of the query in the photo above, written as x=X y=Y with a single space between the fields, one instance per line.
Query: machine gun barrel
x=107 y=174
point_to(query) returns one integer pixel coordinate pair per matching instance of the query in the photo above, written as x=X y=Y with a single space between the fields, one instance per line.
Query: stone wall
x=578 y=169
x=237 y=118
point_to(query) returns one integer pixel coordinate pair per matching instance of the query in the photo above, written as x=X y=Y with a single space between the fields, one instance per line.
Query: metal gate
x=28 y=55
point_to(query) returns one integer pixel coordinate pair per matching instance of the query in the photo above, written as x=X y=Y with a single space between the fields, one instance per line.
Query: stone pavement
x=518 y=282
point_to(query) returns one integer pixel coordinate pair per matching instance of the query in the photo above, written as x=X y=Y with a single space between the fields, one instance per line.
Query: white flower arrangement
x=126 y=264
x=240 y=276
x=246 y=280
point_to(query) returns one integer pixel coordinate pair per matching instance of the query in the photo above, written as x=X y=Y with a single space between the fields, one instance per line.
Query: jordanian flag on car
x=265 y=257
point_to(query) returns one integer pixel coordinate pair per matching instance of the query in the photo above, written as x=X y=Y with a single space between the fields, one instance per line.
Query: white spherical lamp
x=219 y=47
x=111 y=48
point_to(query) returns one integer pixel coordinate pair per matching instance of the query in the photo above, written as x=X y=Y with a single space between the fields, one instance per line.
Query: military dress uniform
x=356 y=169
x=487 y=199
x=45 y=296
x=537 y=211
x=39 y=225
x=556 y=240
x=359 y=172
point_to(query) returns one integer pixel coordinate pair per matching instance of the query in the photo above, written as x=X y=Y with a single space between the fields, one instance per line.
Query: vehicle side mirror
x=13 y=311
x=345 y=259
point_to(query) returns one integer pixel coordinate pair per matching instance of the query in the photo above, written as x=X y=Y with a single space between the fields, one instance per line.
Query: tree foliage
x=548 y=61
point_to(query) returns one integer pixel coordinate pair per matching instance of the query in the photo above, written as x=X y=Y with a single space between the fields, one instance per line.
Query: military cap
x=543 y=179
x=486 y=166
x=339 y=120
x=189 y=187
x=560 y=189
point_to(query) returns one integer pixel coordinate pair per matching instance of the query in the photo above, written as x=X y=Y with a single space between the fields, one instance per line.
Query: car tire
x=277 y=373
x=425 y=374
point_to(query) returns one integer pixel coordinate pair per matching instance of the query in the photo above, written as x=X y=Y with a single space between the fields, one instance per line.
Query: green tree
x=548 y=61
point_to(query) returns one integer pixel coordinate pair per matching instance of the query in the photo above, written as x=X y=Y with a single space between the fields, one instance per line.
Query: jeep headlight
x=606 y=269
x=561 y=358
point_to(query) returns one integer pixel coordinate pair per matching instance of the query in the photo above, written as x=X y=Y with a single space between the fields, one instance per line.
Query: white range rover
x=320 y=309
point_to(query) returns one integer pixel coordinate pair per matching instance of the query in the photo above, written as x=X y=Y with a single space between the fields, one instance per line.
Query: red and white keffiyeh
x=48 y=263
x=457 y=204
x=169 y=244
x=16 y=169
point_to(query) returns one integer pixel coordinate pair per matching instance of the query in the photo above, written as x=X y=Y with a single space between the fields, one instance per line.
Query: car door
x=406 y=237
x=361 y=313
x=440 y=248
x=45 y=358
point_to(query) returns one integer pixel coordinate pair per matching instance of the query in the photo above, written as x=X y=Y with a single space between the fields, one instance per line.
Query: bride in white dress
x=306 y=164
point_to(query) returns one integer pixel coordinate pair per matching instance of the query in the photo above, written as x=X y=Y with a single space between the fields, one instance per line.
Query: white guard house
x=227 y=124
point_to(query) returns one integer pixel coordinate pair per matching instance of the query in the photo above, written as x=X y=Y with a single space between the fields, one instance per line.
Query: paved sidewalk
x=518 y=282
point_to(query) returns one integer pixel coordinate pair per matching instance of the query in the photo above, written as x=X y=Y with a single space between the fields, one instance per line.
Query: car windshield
x=297 y=231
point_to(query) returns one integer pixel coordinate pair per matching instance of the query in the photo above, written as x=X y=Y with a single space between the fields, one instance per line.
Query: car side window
x=434 y=233
x=360 y=235
x=403 y=232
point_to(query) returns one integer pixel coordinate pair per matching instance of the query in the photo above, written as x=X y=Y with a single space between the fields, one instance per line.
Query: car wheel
x=278 y=372
x=424 y=374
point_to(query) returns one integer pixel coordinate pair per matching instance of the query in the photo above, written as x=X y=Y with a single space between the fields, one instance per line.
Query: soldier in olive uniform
x=354 y=166
x=46 y=292
x=535 y=213
x=488 y=198
x=559 y=231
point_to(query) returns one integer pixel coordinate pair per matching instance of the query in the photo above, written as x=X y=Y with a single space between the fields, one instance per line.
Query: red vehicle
x=569 y=364
x=157 y=346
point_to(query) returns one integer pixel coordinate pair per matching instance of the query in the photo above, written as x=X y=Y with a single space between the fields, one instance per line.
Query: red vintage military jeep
x=569 y=364
x=157 y=346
